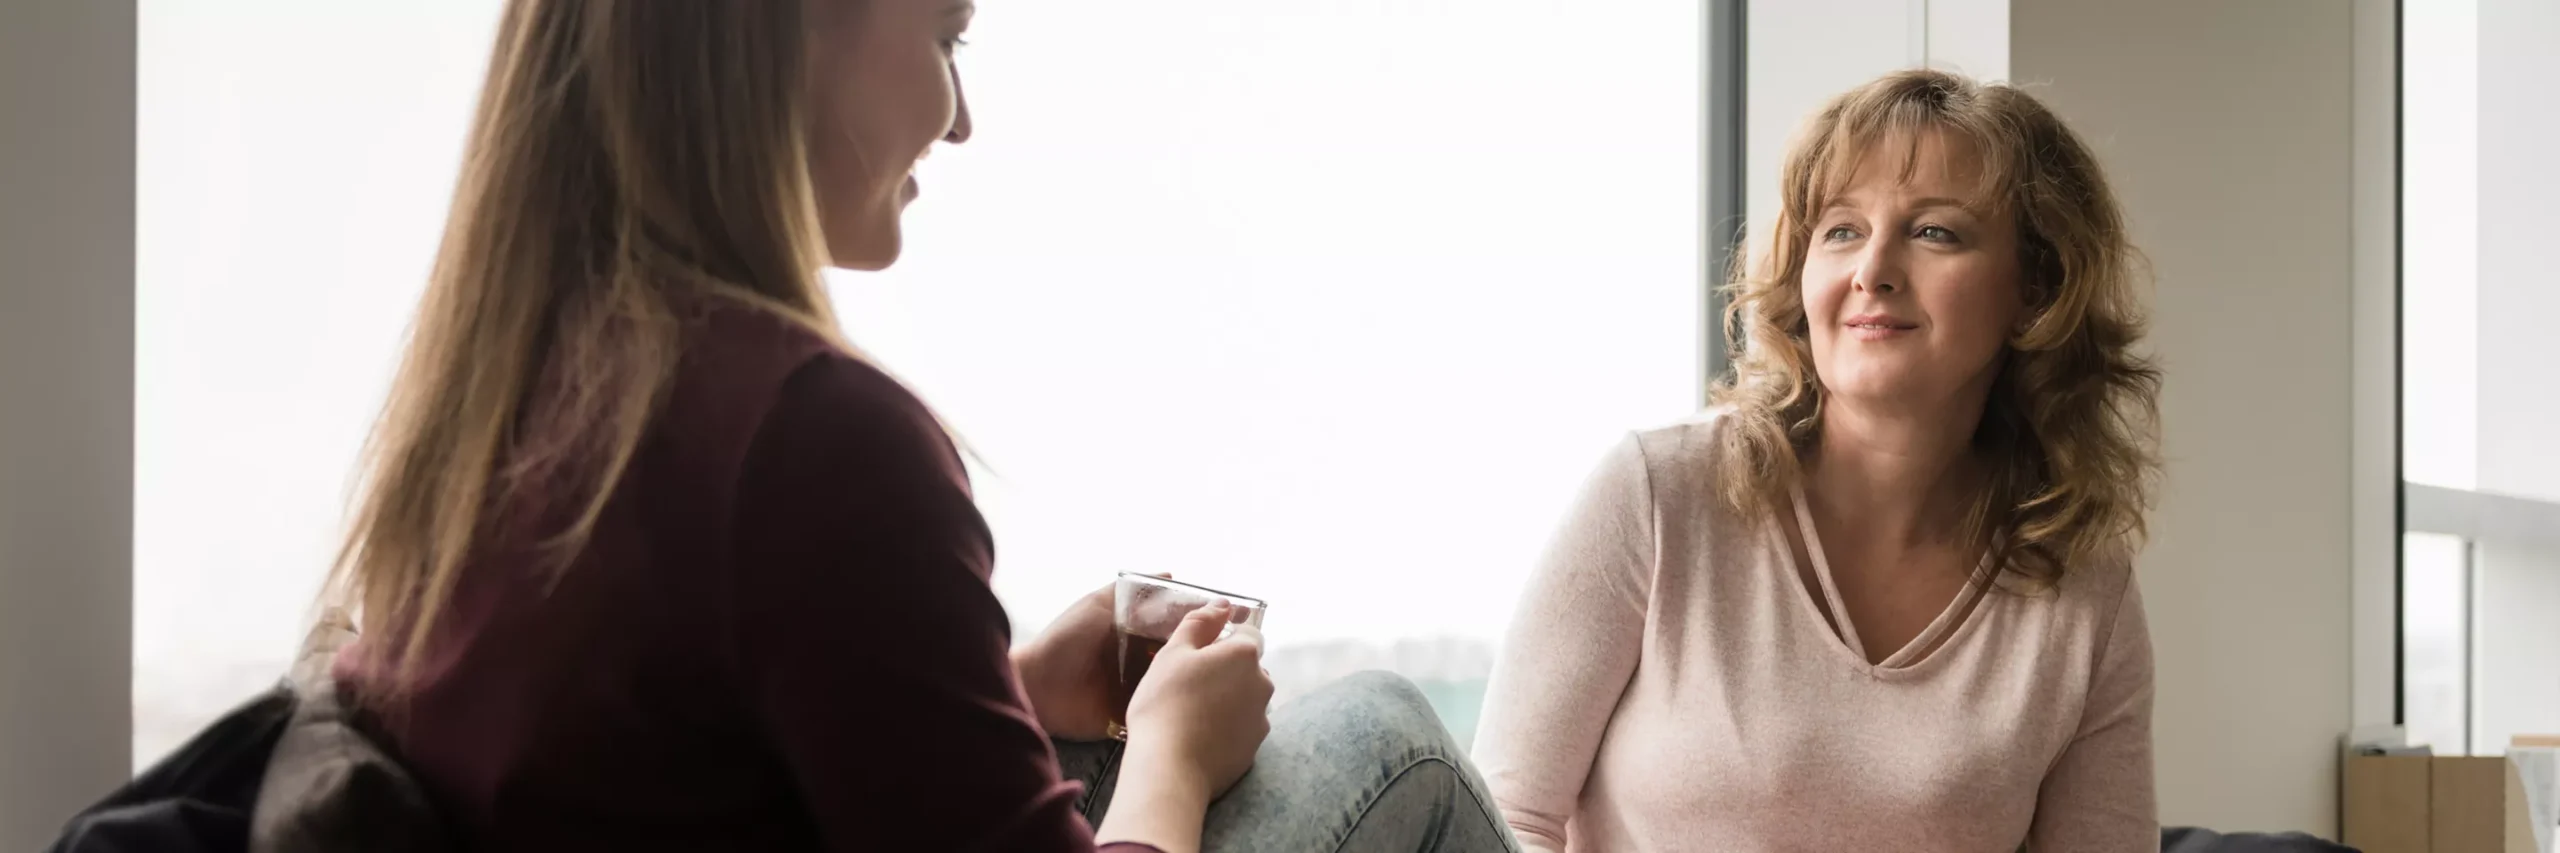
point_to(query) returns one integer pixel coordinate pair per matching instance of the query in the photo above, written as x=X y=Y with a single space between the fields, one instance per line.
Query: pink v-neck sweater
x=1670 y=685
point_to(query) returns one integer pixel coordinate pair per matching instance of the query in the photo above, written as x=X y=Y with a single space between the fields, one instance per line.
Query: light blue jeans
x=1361 y=765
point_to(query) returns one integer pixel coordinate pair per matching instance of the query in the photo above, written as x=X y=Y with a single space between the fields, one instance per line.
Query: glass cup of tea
x=1144 y=611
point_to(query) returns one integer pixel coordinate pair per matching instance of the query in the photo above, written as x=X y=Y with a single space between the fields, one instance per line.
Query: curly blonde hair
x=2071 y=425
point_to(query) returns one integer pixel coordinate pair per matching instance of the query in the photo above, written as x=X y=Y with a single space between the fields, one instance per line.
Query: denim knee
x=1388 y=707
x=1386 y=691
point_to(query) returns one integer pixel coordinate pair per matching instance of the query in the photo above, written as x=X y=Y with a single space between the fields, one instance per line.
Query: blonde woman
x=648 y=559
x=1880 y=596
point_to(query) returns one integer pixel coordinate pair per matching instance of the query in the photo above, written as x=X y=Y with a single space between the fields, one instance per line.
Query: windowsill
x=2483 y=516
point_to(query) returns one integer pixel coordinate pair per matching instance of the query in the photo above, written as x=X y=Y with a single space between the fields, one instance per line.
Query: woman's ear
x=2032 y=304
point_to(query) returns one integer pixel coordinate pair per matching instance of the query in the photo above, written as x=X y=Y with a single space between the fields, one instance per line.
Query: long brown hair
x=2072 y=419
x=627 y=156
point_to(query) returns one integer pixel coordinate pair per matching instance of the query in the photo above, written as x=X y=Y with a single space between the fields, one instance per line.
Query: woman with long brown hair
x=1880 y=597
x=648 y=558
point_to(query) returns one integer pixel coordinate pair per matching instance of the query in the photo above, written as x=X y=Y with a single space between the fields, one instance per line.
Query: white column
x=2226 y=130
x=2519 y=279
x=66 y=408
x=2376 y=414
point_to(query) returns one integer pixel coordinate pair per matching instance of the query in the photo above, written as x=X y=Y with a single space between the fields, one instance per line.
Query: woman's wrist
x=1162 y=816
x=1032 y=666
x=1147 y=763
x=1028 y=669
x=1156 y=801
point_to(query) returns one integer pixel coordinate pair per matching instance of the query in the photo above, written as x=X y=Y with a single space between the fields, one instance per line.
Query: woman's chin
x=1871 y=388
x=864 y=264
x=874 y=252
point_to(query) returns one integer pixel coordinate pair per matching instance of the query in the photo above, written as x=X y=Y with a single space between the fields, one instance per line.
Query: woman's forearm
x=1149 y=808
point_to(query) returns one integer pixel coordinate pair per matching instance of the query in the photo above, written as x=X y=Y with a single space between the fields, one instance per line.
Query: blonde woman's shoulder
x=2097 y=584
x=1687 y=442
x=1680 y=458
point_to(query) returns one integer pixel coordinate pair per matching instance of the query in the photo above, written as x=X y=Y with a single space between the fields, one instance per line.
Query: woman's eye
x=1936 y=234
x=1838 y=233
x=954 y=44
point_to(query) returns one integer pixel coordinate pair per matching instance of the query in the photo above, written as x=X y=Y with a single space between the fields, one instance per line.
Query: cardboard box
x=2421 y=804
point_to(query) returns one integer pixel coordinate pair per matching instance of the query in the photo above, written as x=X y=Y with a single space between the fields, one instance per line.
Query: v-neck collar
x=1844 y=635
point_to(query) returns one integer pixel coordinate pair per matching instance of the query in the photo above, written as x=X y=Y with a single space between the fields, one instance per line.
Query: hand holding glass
x=1144 y=611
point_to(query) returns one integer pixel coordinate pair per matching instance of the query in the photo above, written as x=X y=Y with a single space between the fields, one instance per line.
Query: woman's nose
x=1879 y=271
x=960 y=115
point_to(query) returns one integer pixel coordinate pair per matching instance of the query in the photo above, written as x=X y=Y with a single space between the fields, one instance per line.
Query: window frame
x=2479 y=517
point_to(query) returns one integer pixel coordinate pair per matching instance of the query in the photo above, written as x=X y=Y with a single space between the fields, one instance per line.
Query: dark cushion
x=329 y=788
x=196 y=800
x=2188 y=839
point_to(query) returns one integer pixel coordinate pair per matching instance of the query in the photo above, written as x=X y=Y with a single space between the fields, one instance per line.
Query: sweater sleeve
x=2098 y=795
x=1570 y=652
x=871 y=650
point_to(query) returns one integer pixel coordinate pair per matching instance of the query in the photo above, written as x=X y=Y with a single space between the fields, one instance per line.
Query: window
x=1333 y=304
x=2440 y=246
x=2480 y=570
x=294 y=160
x=2435 y=613
x=1329 y=303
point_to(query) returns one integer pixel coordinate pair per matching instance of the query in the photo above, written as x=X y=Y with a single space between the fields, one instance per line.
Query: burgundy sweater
x=781 y=637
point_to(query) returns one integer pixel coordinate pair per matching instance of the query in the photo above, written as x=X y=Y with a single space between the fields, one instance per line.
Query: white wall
x=66 y=408
x=2226 y=129
x=1969 y=37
